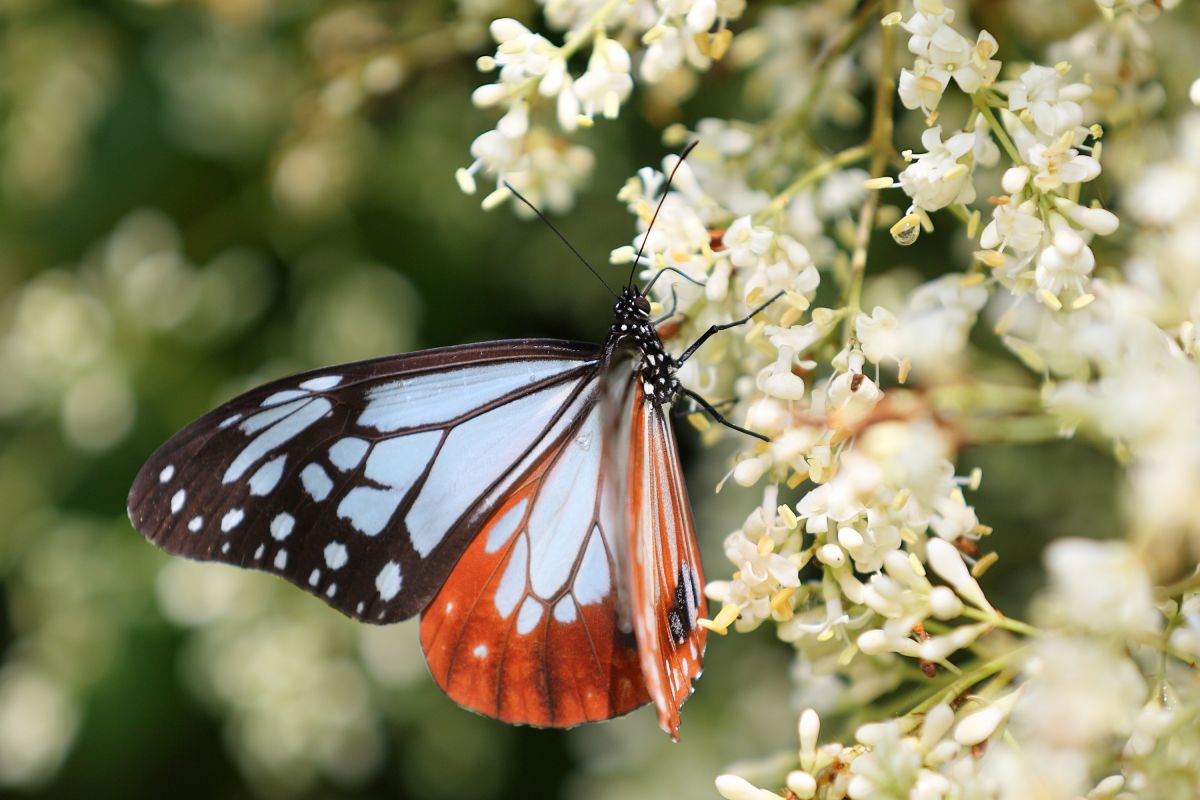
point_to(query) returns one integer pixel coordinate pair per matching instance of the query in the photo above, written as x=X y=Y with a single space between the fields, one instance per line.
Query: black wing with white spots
x=363 y=484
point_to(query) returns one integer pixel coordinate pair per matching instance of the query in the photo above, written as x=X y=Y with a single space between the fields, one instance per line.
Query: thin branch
x=882 y=147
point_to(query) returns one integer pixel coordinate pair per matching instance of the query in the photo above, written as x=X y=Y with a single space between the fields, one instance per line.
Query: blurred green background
x=200 y=196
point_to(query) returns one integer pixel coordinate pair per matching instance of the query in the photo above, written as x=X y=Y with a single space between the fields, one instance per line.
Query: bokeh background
x=196 y=197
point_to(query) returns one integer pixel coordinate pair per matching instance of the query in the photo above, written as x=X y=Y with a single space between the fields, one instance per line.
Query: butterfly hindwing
x=534 y=625
x=667 y=585
x=364 y=483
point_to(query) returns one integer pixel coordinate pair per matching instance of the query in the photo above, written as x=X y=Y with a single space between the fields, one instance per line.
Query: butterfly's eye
x=642 y=304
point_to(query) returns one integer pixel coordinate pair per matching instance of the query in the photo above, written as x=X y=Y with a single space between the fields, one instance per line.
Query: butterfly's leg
x=704 y=337
x=718 y=416
x=671 y=313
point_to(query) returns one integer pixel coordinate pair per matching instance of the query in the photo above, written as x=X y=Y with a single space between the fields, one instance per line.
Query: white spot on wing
x=332 y=590
x=593 y=581
x=195 y=524
x=505 y=527
x=281 y=559
x=369 y=509
x=322 y=383
x=400 y=461
x=316 y=482
x=480 y=651
x=283 y=397
x=512 y=582
x=562 y=518
x=232 y=519
x=564 y=610
x=225 y=423
x=267 y=476
x=256 y=422
x=167 y=473
x=529 y=615
x=448 y=394
x=258 y=553
x=345 y=454
x=314 y=577
x=278 y=434
x=177 y=501
x=281 y=526
x=388 y=581
x=335 y=555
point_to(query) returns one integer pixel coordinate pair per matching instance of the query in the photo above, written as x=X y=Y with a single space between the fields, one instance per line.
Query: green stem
x=969 y=679
x=881 y=147
x=832 y=51
x=577 y=37
x=817 y=173
x=999 y=621
x=1036 y=429
x=979 y=99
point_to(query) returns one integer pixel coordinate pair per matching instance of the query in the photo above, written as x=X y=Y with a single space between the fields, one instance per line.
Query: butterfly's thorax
x=633 y=333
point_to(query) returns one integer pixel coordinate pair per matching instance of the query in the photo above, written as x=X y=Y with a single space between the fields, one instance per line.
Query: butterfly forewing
x=666 y=587
x=533 y=625
x=364 y=483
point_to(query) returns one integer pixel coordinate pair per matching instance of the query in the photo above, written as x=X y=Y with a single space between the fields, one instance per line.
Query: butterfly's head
x=631 y=307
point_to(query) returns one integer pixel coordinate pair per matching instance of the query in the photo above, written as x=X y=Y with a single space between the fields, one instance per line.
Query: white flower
x=1053 y=107
x=922 y=86
x=879 y=336
x=607 y=82
x=747 y=243
x=1079 y=691
x=1065 y=266
x=944 y=53
x=1056 y=164
x=1014 y=227
x=1098 y=587
x=937 y=178
x=521 y=54
x=552 y=175
x=497 y=153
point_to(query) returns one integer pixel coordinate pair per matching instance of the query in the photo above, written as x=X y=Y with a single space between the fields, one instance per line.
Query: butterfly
x=524 y=497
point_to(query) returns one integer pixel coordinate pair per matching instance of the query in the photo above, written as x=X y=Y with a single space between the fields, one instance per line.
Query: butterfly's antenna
x=559 y=234
x=638 y=258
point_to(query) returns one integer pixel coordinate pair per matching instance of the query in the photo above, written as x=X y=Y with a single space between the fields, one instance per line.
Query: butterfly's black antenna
x=678 y=272
x=638 y=258
x=559 y=234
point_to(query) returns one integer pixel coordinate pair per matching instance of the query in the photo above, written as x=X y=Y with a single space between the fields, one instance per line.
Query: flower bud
x=1014 y=179
x=801 y=784
x=748 y=471
x=947 y=562
x=731 y=787
x=977 y=726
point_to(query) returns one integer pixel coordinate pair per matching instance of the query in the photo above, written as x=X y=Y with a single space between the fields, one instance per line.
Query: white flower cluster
x=536 y=90
x=1045 y=730
x=943 y=54
x=1038 y=241
x=891 y=506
